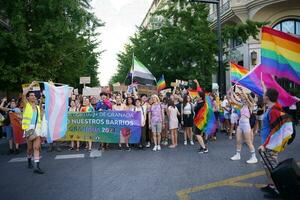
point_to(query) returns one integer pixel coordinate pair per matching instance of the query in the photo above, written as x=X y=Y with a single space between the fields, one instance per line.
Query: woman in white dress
x=173 y=122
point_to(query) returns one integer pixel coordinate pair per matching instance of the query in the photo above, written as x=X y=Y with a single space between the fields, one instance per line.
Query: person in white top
x=173 y=122
x=187 y=118
x=140 y=108
x=226 y=107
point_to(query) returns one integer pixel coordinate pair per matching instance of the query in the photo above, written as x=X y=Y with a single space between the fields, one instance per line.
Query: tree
x=48 y=39
x=183 y=47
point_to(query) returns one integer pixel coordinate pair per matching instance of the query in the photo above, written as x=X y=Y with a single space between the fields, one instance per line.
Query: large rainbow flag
x=252 y=81
x=161 y=83
x=281 y=130
x=56 y=110
x=205 y=119
x=280 y=54
x=237 y=72
x=195 y=93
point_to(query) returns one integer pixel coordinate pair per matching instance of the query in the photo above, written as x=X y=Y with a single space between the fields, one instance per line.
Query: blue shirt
x=266 y=129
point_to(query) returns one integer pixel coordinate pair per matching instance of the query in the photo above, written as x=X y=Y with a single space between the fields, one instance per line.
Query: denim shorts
x=9 y=132
x=156 y=128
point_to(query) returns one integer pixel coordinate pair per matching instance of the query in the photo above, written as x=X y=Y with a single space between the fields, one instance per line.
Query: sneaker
x=38 y=171
x=155 y=148
x=158 y=148
x=120 y=148
x=268 y=188
x=166 y=142
x=252 y=160
x=185 y=143
x=236 y=157
x=192 y=143
x=148 y=145
x=230 y=137
x=201 y=150
x=128 y=149
x=205 y=150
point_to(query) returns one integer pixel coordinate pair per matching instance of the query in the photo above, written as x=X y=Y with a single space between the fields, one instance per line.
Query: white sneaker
x=155 y=148
x=252 y=160
x=166 y=142
x=192 y=143
x=236 y=157
x=148 y=145
x=158 y=148
x=185 y=143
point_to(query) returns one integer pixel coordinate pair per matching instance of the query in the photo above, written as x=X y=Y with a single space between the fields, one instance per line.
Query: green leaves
x=49 y=39
x=182 y=46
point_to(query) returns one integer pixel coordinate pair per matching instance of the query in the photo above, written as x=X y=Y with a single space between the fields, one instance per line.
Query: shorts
x=9 y=132
x=156 y=128
x=272 y=156
x=197 y=131
x=227 y=116
x=188 y=120
x=234 y=118
x=244 y=127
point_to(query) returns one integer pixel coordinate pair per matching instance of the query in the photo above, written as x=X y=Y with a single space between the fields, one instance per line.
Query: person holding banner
x=10 y=135
x=244 y=129
x=87 y=107
x=74 y=108
x=156 y=116
x=146 y=106
x=31 y=124
x=140 y=108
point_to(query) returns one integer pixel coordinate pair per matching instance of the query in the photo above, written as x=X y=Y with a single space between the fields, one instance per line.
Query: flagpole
x=132 y=66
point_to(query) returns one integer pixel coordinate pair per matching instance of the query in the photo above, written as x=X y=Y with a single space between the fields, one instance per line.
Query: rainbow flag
x=252 y=81
x=195 y=93
x=237 y=72
x=161 y=83
x=281 y=130
x=205 y=119
x=280 y=54
x=56 y=110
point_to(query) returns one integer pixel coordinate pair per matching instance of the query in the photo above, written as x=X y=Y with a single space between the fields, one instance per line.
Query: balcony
x=223 y=9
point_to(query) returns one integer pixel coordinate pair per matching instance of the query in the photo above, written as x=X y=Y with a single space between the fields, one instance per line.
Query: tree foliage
x=48 y=39
x=183 y=46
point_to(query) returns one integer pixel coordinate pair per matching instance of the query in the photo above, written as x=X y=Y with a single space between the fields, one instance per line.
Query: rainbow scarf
x=237 y=72
x=161 y=84
x=280 y=54
x=205 y=119
x=281 y=129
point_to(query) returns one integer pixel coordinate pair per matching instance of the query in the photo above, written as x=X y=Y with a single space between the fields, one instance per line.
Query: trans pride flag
x=280 y=54
x=237 y=72
x=56 y=110
x=205 y=119
x=252 y=81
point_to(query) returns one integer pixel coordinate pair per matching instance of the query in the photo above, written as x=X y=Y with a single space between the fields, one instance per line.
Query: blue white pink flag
x=56 y=110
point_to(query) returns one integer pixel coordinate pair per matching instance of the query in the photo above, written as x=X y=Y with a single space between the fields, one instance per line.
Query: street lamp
x=221 y=80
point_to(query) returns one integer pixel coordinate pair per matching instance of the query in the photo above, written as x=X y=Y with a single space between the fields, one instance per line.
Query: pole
x=221 y=74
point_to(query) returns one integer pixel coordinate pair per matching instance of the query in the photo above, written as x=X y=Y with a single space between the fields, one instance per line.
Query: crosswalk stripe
x=70 y=156
x=21 y=159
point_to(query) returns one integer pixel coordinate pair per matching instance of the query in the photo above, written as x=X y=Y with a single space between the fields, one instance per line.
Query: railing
x=223 y=9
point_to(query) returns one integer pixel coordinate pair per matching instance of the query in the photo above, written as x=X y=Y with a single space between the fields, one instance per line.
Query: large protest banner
x=104 y=126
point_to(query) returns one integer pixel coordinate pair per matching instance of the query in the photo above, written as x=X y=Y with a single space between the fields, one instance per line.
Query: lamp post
x=221 y=75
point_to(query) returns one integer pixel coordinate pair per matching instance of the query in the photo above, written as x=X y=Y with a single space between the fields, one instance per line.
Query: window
x=289 y=26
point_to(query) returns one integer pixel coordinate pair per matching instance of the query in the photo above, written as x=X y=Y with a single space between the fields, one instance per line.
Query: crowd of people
x=163 y=116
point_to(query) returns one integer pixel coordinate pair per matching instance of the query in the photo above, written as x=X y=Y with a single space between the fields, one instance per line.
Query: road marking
x=95 y=154
x=184 y=194
x=235 y=181
x=70 y=156
x=22 y=159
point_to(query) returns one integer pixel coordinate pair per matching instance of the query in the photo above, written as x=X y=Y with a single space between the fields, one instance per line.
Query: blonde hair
x=155 y=96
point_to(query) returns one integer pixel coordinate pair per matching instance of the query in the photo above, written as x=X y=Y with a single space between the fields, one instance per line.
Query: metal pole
x=221 y=75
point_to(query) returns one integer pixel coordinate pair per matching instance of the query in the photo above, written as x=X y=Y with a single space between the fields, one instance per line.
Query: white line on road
x=60 y=157
x=22 y=159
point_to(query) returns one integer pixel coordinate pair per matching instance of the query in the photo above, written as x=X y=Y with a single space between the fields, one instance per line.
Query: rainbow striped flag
x=56 y=110
x=281 y=130
x=280 y=54
x=161 y=83
x=237 y=72
x=205 y=119
x=195 y=93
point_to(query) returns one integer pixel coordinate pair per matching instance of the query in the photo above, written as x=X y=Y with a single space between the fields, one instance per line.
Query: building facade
x=150 y=21
x=283 y=15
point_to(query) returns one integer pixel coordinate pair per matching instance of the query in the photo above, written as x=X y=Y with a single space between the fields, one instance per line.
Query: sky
x=121 y=18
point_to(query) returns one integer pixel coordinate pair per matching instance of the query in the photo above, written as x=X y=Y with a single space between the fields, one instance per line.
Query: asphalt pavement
x=179 y=174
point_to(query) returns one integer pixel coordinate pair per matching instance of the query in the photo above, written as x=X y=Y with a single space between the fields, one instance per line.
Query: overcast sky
x=121 y=18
